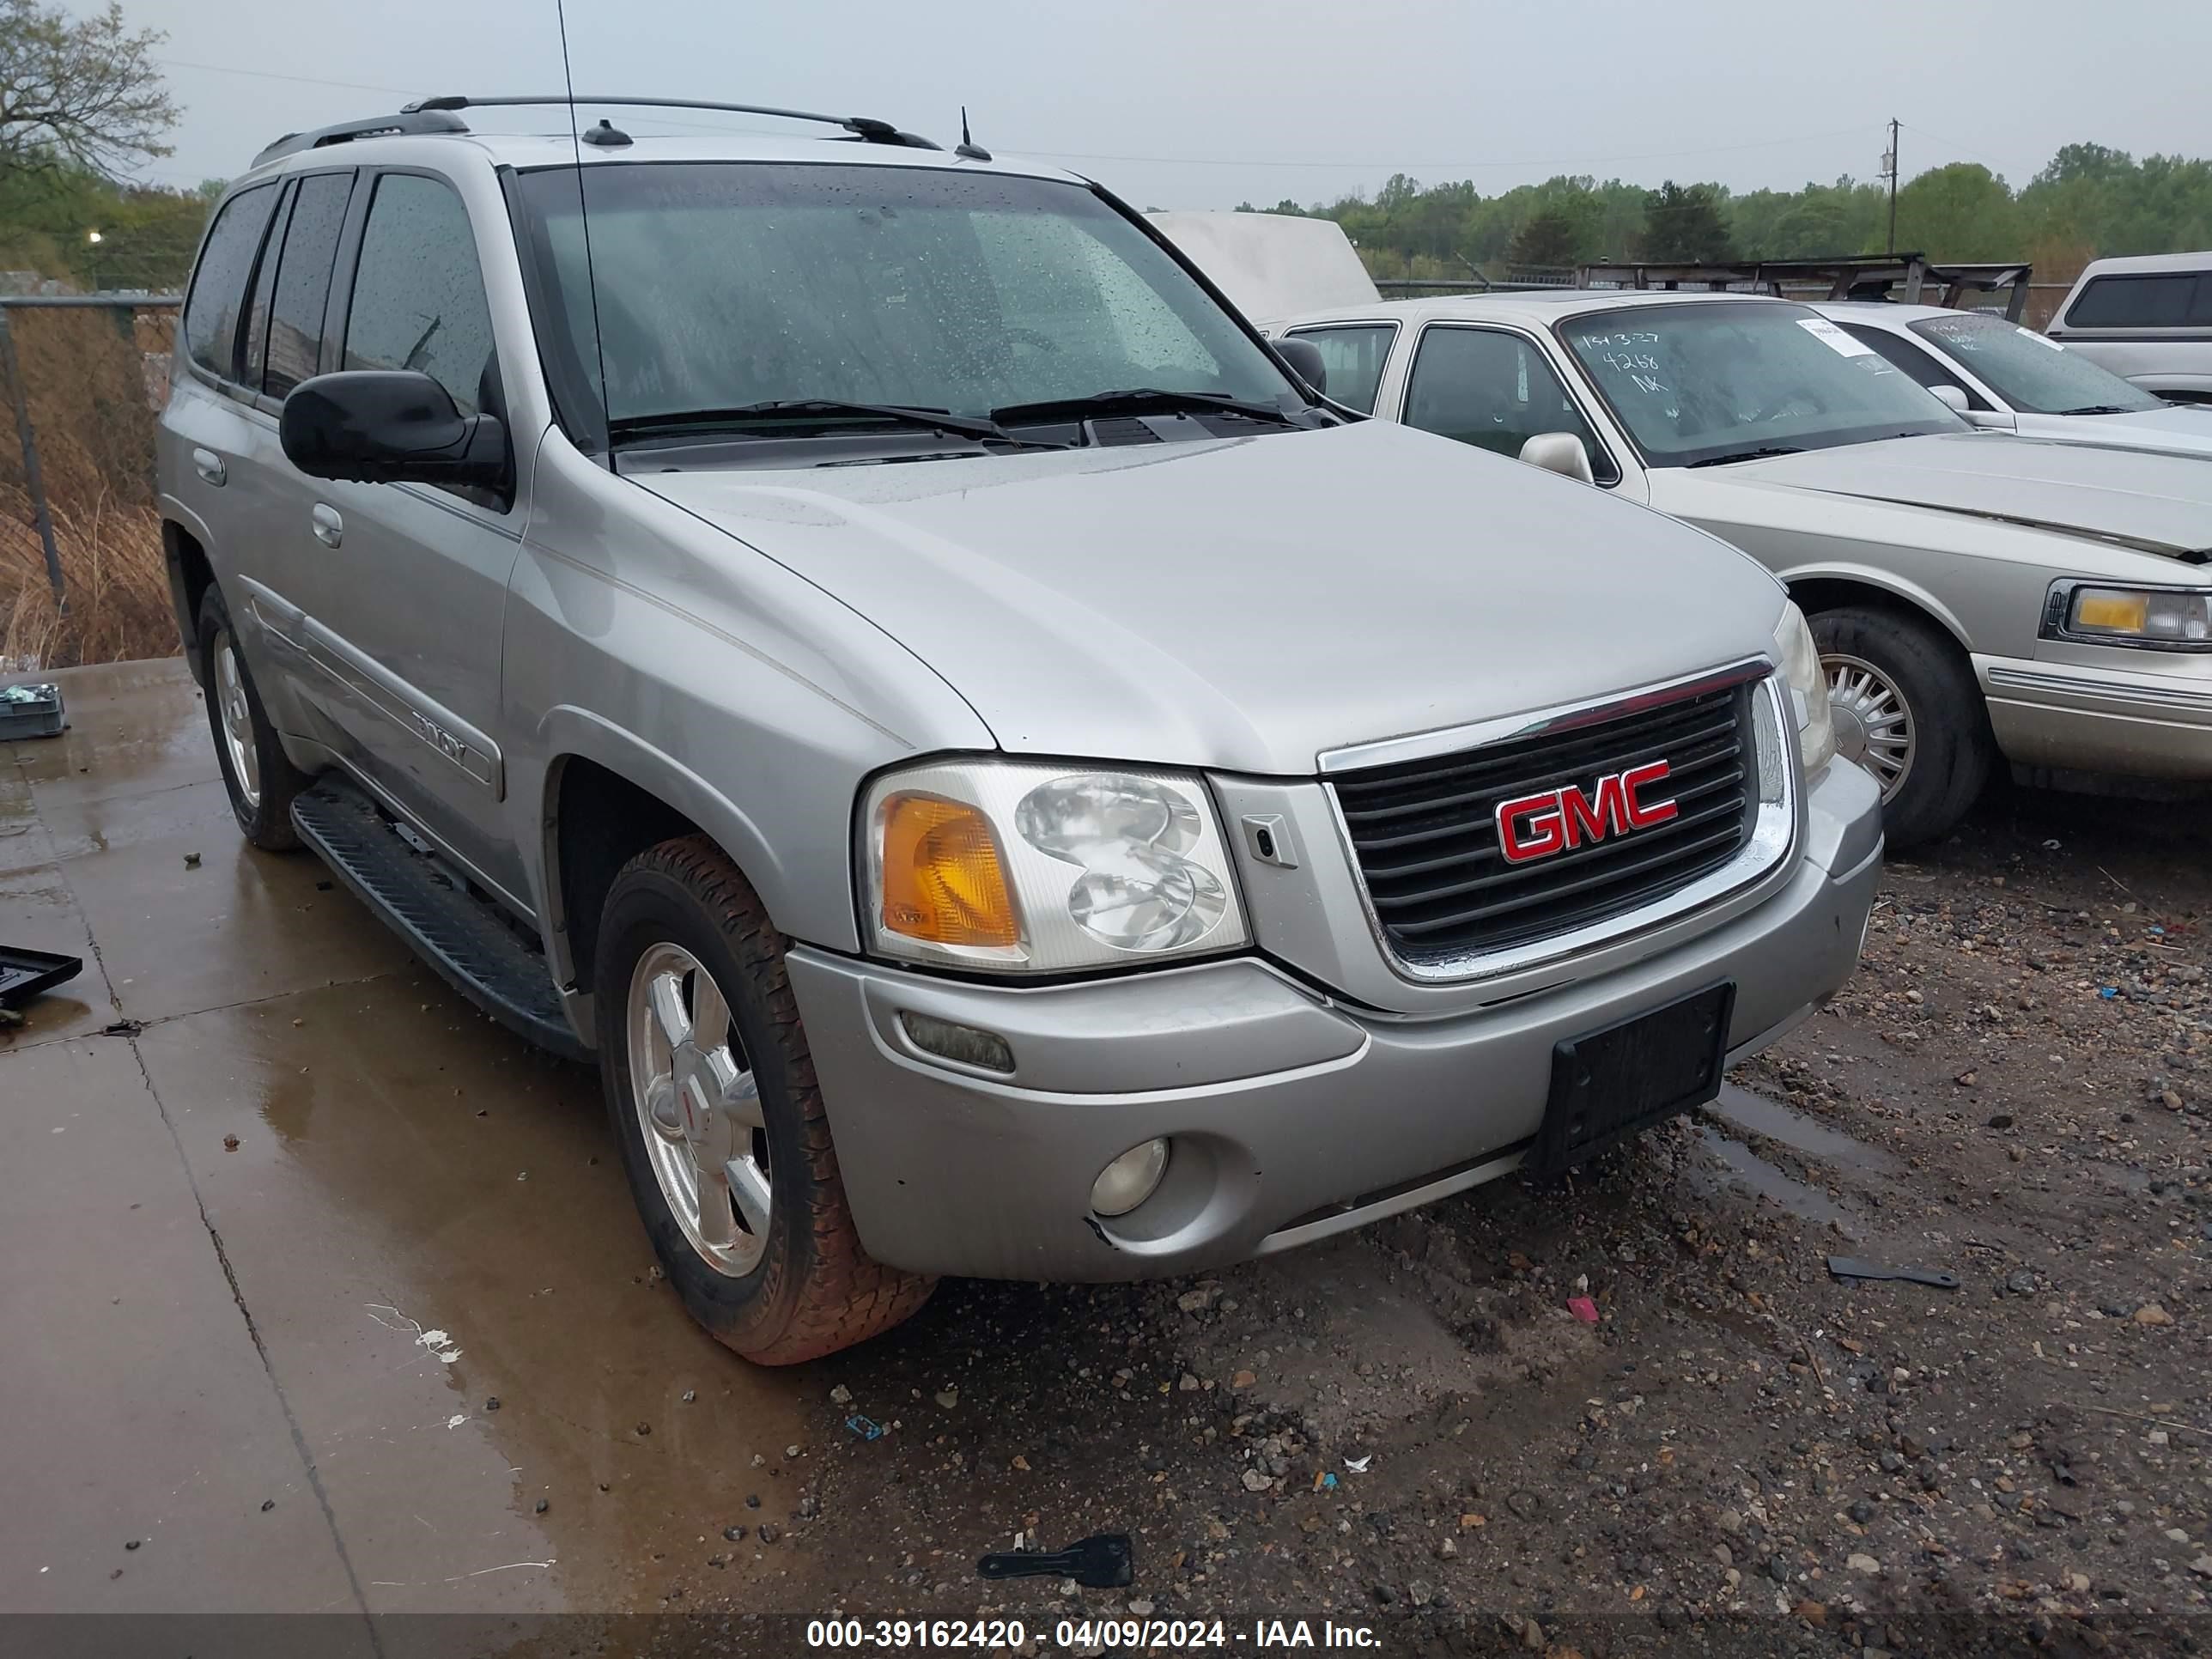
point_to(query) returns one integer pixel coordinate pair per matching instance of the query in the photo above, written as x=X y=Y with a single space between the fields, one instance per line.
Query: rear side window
x=418 y=294
x=2176 y=300
x=1353 y=358
x=256 y=349
x=218 y=295
x=1495 y=391
x=303 y=280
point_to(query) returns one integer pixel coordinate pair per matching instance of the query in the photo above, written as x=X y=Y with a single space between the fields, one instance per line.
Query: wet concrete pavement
x=227 y=1238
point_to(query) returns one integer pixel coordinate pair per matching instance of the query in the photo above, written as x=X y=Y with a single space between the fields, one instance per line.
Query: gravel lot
x=1741 y=1451
x=254 y=1159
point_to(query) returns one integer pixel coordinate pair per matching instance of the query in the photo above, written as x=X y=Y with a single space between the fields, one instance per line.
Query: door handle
x=209 y=466
x=329 y=528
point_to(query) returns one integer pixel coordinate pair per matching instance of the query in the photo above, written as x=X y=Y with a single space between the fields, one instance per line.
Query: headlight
x=1808 y=688
x=1026 y=867
x=2161 y=619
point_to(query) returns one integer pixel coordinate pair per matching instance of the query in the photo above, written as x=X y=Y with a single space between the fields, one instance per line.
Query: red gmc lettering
x=1530 y=828
x=1537 y=826
x=1640 y=815
x=1589 y=819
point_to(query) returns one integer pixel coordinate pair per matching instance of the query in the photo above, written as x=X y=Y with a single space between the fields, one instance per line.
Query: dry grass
x=93 y=380
x=117 y=582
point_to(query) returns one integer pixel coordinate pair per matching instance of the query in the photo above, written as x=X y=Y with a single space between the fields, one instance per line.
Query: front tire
x=724 y=1136
x=1907 y=708
x=261 y=779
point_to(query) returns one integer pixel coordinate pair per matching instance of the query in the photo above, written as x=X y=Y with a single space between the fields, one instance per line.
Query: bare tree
x=81 y=90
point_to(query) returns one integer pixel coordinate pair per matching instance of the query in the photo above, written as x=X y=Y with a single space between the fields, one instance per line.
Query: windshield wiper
x=801 y=409
x=1138 y=400
x=2099 y=409
x=1758 y=455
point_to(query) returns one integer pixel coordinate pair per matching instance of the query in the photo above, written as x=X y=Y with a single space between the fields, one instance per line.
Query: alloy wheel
x=237 y=716
x=700 y=1109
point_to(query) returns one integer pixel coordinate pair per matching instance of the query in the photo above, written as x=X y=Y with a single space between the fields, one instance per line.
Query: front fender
x=1887 y=581
x=569 y=732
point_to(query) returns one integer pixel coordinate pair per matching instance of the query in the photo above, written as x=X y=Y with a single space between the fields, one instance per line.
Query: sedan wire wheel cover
x=1874 y=723
x=699 y=1107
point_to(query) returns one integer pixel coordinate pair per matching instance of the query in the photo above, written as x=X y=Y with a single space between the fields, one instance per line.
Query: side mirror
x=1950 y=396
x=390 y=426
x=1561 y=453
x=1305 y=360
x=1993 y=420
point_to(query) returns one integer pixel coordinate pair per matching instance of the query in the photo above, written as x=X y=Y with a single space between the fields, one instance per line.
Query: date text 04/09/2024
x=1088 y=1634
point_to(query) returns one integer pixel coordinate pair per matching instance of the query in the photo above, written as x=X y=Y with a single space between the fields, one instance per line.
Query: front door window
x=1496 y=391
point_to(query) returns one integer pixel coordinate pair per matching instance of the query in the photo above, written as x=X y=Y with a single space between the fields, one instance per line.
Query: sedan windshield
x=1705 y=383
x=728 y=287
x=2033 y=373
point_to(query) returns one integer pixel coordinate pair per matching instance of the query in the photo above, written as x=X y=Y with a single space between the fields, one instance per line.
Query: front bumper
x=2123 y=721
x=1292 y=1116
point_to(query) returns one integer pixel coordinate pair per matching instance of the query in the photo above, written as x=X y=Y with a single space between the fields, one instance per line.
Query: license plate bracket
x=1610 y=1084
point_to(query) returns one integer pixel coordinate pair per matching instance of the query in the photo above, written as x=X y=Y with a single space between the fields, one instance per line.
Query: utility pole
x=1889 y=171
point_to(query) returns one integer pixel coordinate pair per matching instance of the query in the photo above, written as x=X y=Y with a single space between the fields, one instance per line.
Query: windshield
x=726 y=285
x=1730 y=379
x=2033 y=373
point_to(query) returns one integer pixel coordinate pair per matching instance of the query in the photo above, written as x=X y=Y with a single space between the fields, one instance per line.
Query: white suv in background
x=2149 y=319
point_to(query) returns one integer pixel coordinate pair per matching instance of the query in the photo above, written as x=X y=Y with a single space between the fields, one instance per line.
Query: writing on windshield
x=1632 y=355
x=1701 y=380
x=2033 y=373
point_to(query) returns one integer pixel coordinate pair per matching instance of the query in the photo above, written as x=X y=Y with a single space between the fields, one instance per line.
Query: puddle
x=432 y=1227
x=1756 y=1115
x=1748 y=1169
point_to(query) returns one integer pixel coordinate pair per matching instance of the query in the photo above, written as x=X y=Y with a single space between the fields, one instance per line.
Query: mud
x=270 y=1251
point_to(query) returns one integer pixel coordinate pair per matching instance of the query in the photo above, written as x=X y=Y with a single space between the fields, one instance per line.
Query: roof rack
x=435 y=115
x=1860 y=277
x=410 y=120
x=866 y=128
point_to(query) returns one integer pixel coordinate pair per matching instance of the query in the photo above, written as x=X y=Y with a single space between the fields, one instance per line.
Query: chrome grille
x=1425 y=835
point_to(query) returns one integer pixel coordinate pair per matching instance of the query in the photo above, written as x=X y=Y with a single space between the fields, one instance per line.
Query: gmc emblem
x=1537 y=826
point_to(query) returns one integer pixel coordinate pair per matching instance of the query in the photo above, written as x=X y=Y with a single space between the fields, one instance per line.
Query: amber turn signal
x=943 y=879
x=2116 y=612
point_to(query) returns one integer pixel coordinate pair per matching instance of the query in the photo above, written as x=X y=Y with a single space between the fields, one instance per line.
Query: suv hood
x=1248 y=603
x=2152 y=502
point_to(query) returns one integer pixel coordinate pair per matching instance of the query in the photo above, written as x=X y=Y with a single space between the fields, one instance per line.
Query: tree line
x=81 y=102
x=2090 y=201
x=147 y=234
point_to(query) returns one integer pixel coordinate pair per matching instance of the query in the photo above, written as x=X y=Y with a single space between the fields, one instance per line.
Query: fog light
x=962 y=1044
x=1130 y=1179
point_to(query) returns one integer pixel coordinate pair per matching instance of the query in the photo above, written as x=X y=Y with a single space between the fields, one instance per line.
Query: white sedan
x=1976 y=597
x=2010 y=378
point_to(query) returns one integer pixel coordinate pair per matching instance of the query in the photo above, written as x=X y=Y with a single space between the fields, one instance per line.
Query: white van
x=2149 y=319
x=1271 y=265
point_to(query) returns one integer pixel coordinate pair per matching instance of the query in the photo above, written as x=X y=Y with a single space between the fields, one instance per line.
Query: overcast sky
x=1203 y=104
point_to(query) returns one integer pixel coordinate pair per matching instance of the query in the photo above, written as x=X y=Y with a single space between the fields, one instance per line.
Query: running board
x=464 y=938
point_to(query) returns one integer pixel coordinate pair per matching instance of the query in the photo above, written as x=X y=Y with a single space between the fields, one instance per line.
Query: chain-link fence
x=83 y=378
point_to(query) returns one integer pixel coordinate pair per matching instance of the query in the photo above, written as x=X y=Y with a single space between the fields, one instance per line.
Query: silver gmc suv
x=1001 y=775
